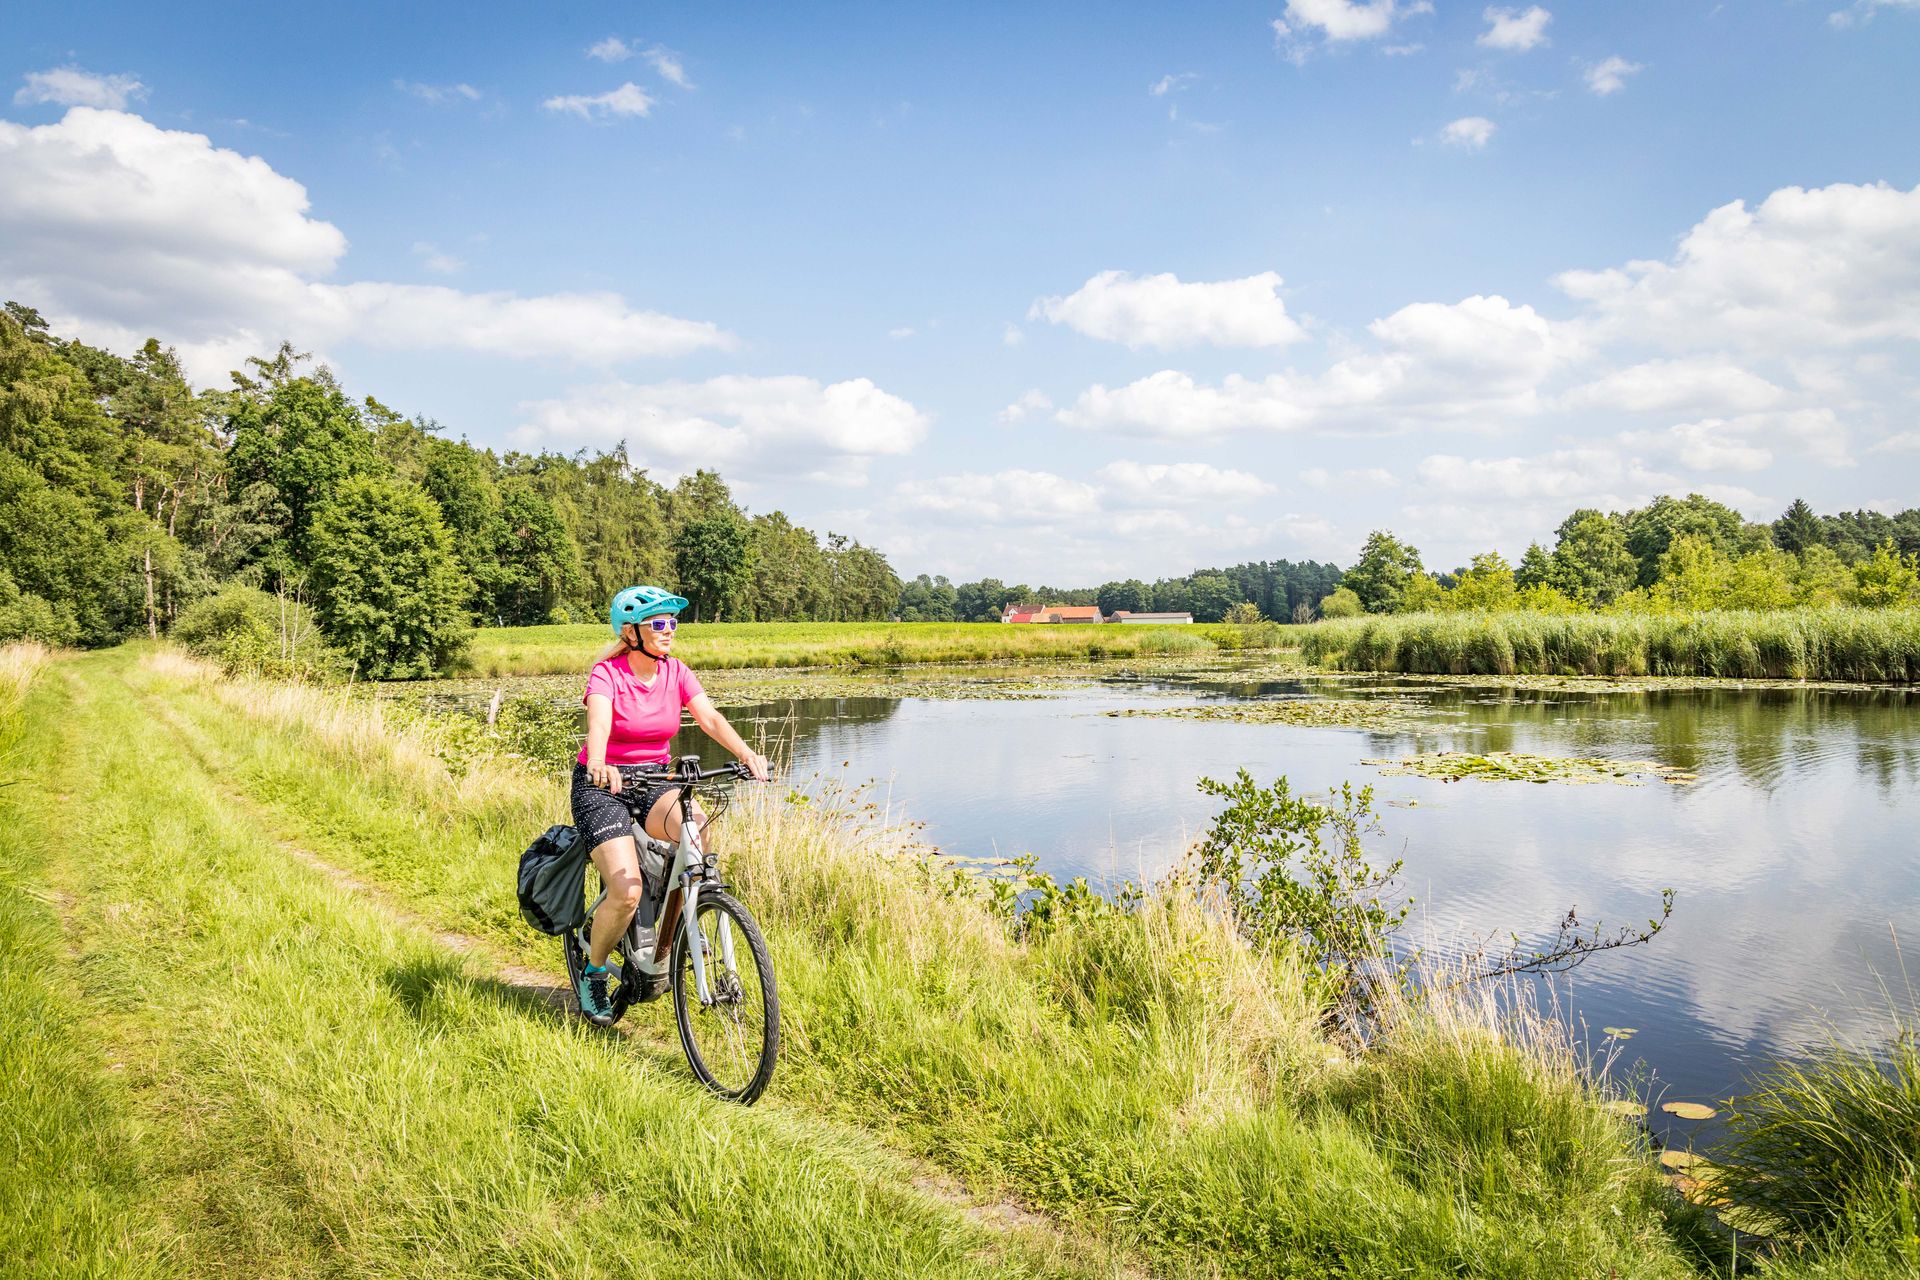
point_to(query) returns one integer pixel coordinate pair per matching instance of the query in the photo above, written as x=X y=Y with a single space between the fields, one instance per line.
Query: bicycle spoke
x=730 y=1039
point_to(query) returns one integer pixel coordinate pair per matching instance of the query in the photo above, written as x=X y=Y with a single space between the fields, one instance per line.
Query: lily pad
x=1625 y=1107
x=1360 y=713
x=1684 y=1161
x=1518 y=766
x=1749 y=1221
x=1621 y=1033
x=1689 y=1110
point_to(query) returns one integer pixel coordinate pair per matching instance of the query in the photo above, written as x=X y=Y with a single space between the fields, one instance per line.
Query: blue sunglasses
x=663 y=624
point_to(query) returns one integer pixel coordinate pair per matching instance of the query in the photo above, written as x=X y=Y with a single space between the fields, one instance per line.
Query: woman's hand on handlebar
x=756 y=765
x=604 y=775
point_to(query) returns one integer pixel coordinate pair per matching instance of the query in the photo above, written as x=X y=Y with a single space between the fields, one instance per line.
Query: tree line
x=280 y=512
x=1281 y=590
x=130 y=503
x=1672 y=555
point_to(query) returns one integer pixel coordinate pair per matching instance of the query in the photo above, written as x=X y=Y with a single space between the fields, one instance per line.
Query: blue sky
x=1055 y=293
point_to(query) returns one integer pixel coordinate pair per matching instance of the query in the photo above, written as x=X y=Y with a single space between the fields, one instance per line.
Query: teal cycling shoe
x=592 y=991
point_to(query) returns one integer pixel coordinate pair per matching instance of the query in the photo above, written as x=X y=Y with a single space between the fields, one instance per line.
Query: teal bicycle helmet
x=637 y=604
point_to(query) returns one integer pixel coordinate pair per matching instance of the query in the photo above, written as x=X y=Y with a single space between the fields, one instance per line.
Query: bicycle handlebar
x=686 y=770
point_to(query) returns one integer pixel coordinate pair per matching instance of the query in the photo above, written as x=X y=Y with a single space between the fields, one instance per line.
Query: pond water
x=1793 y=855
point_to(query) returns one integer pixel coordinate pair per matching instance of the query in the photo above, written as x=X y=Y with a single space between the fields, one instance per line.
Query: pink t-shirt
x=645 y=716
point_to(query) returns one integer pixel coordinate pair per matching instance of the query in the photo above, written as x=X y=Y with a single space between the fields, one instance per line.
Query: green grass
x=1866 y=645
x=560 y=650
x=1143 y=1076
x=318 y=1086
x=316 y=1089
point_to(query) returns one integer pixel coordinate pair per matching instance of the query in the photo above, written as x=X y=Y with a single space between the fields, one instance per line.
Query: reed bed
x=565 y=650
x=1874 y=646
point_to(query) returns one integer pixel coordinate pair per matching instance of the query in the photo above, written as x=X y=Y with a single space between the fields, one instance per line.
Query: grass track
x=325 y=1093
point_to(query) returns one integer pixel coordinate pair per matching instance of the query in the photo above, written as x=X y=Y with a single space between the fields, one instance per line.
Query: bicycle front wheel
x=732 y=1036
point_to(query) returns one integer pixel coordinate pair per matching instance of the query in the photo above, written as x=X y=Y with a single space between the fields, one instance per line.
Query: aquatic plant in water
x=1519 y=766
x=1359 y=713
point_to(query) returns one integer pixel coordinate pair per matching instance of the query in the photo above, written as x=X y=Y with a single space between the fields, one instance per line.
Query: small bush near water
x=1867 y=645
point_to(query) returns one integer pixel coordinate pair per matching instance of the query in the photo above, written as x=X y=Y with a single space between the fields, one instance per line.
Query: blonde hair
x=622 y=647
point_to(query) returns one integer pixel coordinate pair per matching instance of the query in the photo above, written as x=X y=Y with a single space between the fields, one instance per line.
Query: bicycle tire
x=727 y=1023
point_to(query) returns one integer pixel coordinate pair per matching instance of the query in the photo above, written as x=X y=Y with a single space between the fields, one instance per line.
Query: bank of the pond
x=323 y=1085
x=1875 y=646
x=555 y=650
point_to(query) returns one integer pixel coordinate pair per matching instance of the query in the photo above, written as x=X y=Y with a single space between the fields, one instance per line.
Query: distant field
x=556 y=650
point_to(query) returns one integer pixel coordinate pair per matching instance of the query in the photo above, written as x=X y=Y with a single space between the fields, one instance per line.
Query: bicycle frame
x=688 y=870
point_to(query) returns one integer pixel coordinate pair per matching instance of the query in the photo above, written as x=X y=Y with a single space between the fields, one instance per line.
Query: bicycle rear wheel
x=733 y=1039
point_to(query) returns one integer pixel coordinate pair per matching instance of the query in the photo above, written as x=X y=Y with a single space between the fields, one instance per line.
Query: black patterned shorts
x=600 y=816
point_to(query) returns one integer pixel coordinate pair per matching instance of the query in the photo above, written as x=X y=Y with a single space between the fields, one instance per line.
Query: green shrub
x=250 y=632
x=1294 y=870
x=25 y=616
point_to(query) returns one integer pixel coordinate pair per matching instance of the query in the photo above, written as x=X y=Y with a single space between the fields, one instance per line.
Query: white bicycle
x=692 y=936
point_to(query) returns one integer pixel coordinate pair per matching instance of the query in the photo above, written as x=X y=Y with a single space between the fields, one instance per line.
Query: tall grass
x=1141 y=1073
x=1868 y=645
x=1826 y=1148
x=563 y=650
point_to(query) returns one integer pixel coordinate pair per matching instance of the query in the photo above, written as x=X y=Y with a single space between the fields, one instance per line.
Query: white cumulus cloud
x=665 y=62
x=1863 y=11
x=1470 y=133
x=1186 y=483
x=74 y=87
x=628 y=100
x=1031 y=402
x=1514 y=29
x=1610 y=76
x=1346 y=19
x=1701 y=383
x=220 y=256
x=1161 y=311
x=784 y=426
x=1481 y=358
x=1832 y=266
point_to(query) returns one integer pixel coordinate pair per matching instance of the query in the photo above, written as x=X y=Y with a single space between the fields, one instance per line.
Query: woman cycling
x=634 y=698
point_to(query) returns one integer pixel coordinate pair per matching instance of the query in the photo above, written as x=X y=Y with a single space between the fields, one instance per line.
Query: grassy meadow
x=241 y=1037
x=564 y=650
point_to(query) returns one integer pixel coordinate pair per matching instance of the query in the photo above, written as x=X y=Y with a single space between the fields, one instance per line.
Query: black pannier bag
x=552 y=882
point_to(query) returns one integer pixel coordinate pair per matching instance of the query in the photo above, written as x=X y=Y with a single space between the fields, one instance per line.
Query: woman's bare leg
x=618 y=862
